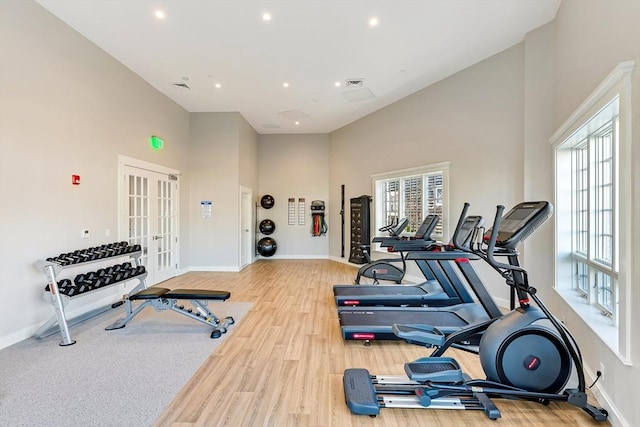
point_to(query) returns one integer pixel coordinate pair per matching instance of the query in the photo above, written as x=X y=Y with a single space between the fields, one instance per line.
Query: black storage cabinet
x=360 y=228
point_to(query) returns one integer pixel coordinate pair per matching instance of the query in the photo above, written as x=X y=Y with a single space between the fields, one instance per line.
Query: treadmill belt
x=387 y=318
x=379 y=290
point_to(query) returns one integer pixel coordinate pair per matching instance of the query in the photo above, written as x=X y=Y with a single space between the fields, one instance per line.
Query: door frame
x=246 y=208
x=123 y=162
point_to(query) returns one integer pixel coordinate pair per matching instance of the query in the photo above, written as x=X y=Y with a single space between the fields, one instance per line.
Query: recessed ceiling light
x=218 y=85
x=285 y=84
x=337 y=84
x=297 y=123
x=266 y=16
x=373 y=22
x=159 y=14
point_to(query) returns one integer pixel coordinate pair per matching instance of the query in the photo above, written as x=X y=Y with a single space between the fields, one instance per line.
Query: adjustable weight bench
x=165 y=299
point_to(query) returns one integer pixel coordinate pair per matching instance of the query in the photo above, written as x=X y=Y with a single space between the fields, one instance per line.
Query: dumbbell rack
x=52 y=269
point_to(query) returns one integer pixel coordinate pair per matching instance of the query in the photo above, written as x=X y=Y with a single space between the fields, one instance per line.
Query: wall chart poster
x=206 y=207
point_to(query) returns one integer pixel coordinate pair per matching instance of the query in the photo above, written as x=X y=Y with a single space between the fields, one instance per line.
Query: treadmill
x=384 y=269
x=443 y=286
x=375 y=323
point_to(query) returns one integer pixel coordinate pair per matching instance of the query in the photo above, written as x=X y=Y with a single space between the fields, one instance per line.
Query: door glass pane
x=165 y=218
x=138 y=221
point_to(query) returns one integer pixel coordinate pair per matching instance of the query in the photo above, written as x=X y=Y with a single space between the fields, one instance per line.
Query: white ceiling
x=309 y=44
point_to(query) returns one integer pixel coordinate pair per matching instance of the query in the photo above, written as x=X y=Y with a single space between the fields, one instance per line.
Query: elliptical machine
x=526 y=354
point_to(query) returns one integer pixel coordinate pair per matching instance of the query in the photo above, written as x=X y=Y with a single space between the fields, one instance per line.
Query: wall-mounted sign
x=206 y=208
x=156 y=142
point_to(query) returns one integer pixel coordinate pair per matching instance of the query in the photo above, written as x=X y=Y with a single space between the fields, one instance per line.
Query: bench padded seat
x=149 y=293
x=202 y=294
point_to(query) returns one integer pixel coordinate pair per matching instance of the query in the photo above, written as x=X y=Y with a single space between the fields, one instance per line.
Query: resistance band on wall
x=318 y=224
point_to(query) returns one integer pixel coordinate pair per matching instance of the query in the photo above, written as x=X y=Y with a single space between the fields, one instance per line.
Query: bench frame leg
x=199 y=312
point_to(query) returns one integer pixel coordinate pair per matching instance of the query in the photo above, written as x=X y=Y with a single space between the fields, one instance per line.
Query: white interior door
x=150 y=201
x=246 y=225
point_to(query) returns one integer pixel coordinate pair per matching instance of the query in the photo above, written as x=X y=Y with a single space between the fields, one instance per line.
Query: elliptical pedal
x=359 y=393
x=434 y=369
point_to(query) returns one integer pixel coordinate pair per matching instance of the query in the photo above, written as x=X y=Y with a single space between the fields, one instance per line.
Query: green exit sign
x=156 y=142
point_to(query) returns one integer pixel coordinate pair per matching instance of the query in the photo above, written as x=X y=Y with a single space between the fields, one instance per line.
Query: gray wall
x=66 y=107
x=296 y=166
x=474 y=119
x=564 y=64
x=223 y=155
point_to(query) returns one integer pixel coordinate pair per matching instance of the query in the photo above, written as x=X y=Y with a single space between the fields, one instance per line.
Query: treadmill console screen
x=466 y=230
x=519 y=222
x=427 y=226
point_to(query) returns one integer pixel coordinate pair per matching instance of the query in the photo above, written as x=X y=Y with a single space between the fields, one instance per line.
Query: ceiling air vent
x=182 y=86
x=353 y=83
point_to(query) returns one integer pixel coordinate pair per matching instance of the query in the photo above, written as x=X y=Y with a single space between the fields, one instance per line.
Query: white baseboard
x=18 y=336
x=615 y=418
x=285 y=256
x=101 y=298
x=344 y=261
x=213 y=268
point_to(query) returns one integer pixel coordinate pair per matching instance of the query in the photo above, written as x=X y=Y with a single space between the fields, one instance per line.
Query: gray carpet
x=124 y=377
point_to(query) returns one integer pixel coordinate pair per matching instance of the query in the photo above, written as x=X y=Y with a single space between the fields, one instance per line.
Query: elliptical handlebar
x=491 y=245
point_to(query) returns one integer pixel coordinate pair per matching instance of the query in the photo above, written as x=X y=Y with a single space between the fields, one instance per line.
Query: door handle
x=157 y=237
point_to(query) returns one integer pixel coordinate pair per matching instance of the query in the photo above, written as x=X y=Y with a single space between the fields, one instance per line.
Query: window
x=412 y=194
x=594 y=182
x=593 y=188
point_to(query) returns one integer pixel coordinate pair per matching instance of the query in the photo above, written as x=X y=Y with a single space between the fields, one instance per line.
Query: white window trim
x=617 y=338
x=419 y=170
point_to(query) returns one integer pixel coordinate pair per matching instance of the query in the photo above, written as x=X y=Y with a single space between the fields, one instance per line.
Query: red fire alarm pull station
x=75 y=179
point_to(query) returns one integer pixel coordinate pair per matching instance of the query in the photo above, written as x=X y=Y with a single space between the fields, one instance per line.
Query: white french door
x=149 y=218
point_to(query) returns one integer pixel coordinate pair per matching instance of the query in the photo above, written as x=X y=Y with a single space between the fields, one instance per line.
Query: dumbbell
x=61 y=284
x=97 y=253
x=95 y=279
x=116 y=276
x=58 y=260
x=63 y=260
x=84 y=282
x=70 y=291
x=64 y=283
x=70 y=258
x=86 y=255
x=104 y=276
x=100 y=253
x=140 y=270
x=130 y=248
x=67 y=287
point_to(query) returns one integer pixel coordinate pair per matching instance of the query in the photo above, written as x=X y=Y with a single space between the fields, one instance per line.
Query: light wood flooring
x=283 y=365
